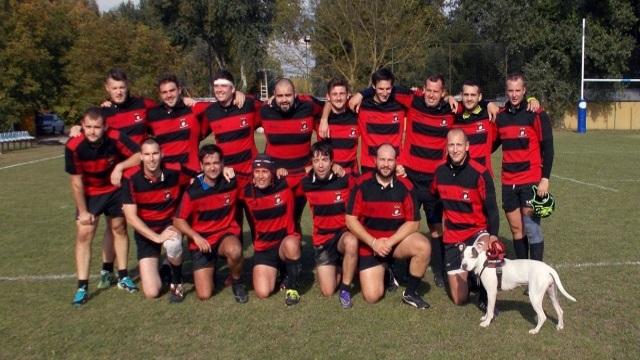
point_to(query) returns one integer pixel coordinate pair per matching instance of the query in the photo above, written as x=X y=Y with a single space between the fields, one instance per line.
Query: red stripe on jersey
x=379 y=124
x=177 y=130
x=129 y=117
x=271 y=211
x=233 y=130
x=327 y=201
x=520 y=135
x=382 y=210
x=210 y=212
x=426 y=139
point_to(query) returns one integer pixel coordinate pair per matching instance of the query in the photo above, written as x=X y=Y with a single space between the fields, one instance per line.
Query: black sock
x=83 y=284
x=293 y=273
x=437 y=256
x=123 y=273
x=521 y=248
x=536 y=251
x=412 y=284
x=345 y=287
x=176 y=274
x=107 y=266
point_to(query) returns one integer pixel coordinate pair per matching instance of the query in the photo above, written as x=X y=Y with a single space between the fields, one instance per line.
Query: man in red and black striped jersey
x=271 y=203
x=527 y=158
x=382 y=214
x=327 y=195
x=94 y=160
x=466 y=190
x=288 y=123
x=340 y=128
x=150 y=197
x=176 y=126
x=233 y=129
x=206 y=215
x=476 y=125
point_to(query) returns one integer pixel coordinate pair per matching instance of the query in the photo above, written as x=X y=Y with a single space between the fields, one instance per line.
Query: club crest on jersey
x=137 y=117
x=183 y=123
x=227 y=199
x=395 y=118
x=465 y=196
x=167 y=195
x=443 y=123
x=338 y=197
x=480 y=127
x=396 y=210
x=353 y=133
x=303 y=126
x=277 y=199
x=244 y=122
x=523 y=133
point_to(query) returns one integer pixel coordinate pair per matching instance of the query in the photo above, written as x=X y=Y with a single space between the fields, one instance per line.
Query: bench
x=15 y=139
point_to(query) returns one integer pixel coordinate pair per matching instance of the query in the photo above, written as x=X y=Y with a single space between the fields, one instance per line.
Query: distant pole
x=582 y=105
x=307 y=40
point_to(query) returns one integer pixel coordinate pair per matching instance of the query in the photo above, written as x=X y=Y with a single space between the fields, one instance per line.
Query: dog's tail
x=556 y=279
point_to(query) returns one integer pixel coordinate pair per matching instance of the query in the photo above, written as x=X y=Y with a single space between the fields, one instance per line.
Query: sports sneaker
x=391 y=283
x=345 y=299
x=438 y=280
x=176 y=293
x=292 y=297
x=240 y=293
x=127 y=284
x=106 y=279
x=80 y=297
x=414 y=300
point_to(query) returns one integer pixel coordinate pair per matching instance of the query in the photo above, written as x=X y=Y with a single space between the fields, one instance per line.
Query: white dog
x=539 y=276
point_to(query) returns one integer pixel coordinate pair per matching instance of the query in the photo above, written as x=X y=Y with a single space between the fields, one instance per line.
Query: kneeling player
x=207 y=216
x=466 y=190
x=271 y=203
x=150 y=197
x=383 y=216
x=327 y=195
x=89 y=159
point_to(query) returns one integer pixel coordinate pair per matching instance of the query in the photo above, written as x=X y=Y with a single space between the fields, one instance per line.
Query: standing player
x=466 y=190
x=233 y=128
x=341 y=129
x=327 y=195
x=150 y=197
x=288 y=124
x=206 y=215
x=527 y=158
x=270 y=202
x=382 y=214
x=176 y=126
x=90 y=159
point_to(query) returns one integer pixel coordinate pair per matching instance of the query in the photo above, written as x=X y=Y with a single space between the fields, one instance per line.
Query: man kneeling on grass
x=150 y=198
x=327 y=195
x=207 y=216
x=383 y=216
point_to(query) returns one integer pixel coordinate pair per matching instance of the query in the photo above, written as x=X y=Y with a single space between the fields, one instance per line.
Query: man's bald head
x=284 y=93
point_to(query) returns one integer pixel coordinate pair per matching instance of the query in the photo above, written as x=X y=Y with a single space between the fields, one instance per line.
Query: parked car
x=49 y=124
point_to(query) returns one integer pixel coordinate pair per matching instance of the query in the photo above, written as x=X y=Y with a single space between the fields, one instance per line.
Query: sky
x=106 y=5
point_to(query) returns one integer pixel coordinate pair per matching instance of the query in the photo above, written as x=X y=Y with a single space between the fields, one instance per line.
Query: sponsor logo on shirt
x=465 y=196
x=137 y=117
x=183 y=123
x=397 y=210
x=443 y=123
x=244 y=122
x=523 y=133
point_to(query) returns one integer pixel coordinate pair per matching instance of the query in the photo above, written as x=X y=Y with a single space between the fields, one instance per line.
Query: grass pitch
x=591 y=239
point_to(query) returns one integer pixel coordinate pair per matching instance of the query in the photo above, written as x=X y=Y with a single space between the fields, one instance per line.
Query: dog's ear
x=474 y=252
x=461 y=247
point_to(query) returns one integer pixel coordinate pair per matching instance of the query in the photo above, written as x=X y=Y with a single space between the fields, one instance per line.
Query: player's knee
x=326 y=290
x=150 y=292
x=234 y=252
x=350 y=245
x=372 y=296
x=262 y=293
x=203 y=294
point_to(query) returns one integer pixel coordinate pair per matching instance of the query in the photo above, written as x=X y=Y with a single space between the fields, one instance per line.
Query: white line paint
x=31 y=162
x=585 y=183
x=51 y=277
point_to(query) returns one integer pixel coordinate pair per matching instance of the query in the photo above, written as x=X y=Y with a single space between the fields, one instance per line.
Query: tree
x=355 y=38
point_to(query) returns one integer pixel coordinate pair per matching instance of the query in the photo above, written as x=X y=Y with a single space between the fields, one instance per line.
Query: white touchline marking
x=73 y=276
x=31 y=162
x=585 y=183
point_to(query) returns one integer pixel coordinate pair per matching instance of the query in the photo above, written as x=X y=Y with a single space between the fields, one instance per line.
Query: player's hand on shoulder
x=239 y=99
x=493 y=110
x=400 y=171
x=188 y=101
x=75 y=131
x=281 y=172
x=228 y=173
x=116 y=175
x=533 y=105
x=355 y=102
x=106 y=104
x=338 y=170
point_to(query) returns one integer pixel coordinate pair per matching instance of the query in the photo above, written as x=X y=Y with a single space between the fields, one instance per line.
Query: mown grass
x=590 y=225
